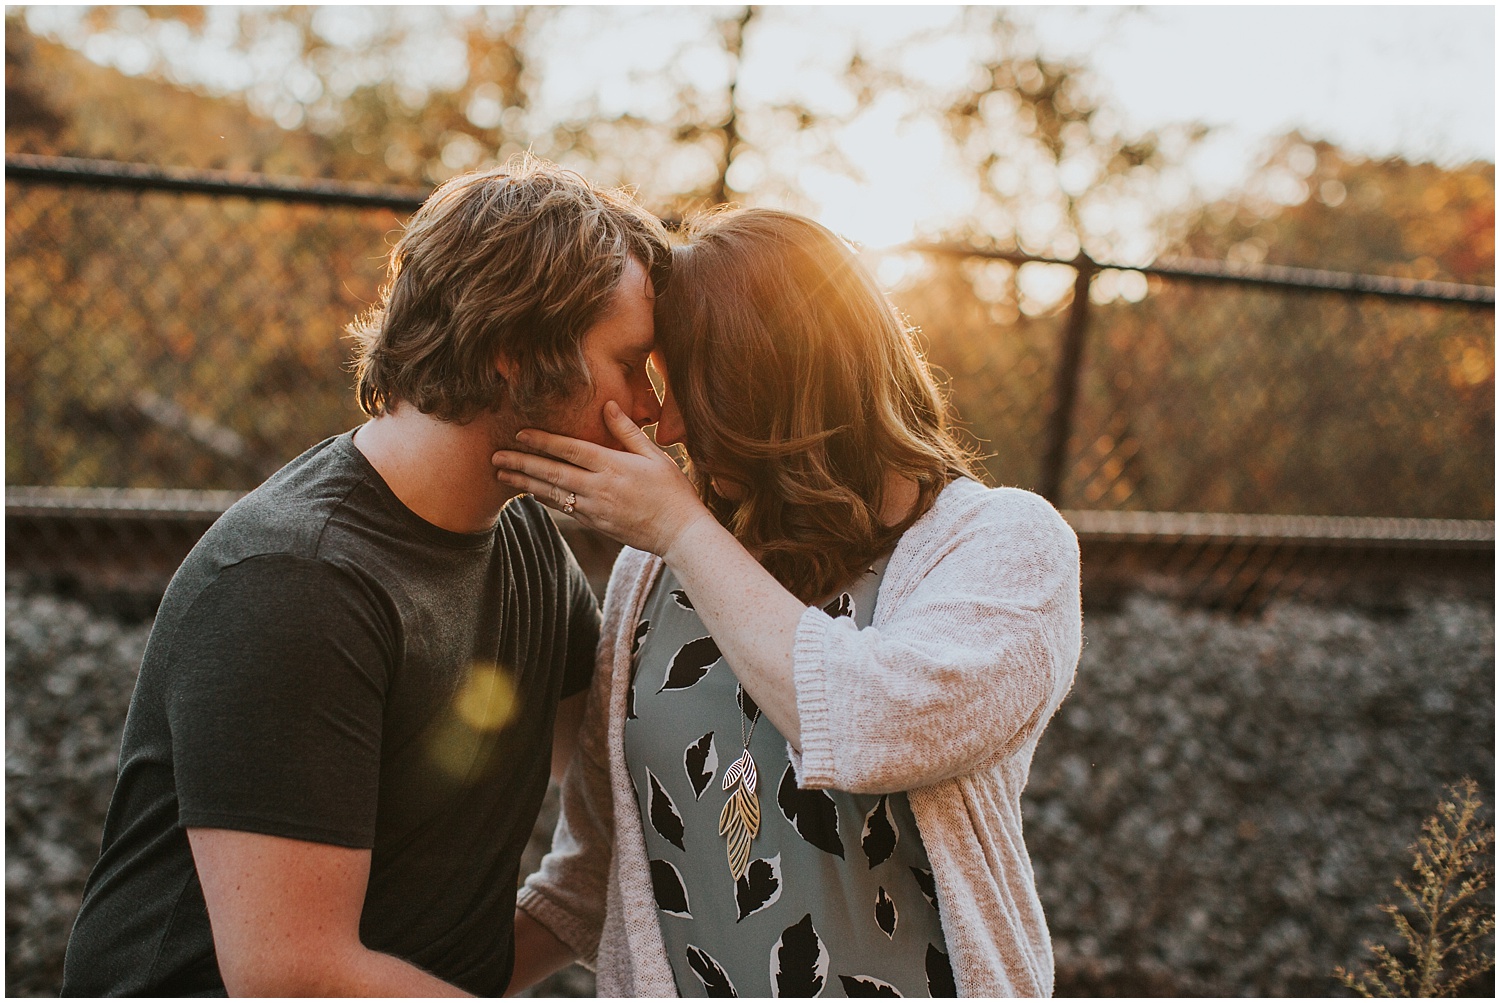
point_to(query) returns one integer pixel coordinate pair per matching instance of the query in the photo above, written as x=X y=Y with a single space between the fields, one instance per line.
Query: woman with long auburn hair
x=828 y=655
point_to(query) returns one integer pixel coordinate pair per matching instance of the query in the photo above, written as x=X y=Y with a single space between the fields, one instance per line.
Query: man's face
x=615 y=349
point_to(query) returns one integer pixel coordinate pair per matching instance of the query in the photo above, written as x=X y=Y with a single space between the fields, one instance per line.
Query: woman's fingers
x=538 y=472
x=577 y=452
x=554 y=495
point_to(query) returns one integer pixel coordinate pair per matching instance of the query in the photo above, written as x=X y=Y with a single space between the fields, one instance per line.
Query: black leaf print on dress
x=681 y=599
x=748 y=707
x=799 y=961
x=840 y=605
x=940 y=984
x=812 y=813
x=701 y=761
x=671 y=893
x=709 y=972
x=690 y=664
x=641 y=630
x=865 y=985
x=925 y=882
x=885 y=913
x=760 y=887
x=879 y=840
x=664 y=817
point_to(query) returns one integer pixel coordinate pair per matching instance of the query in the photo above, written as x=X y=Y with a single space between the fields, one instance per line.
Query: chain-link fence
x=1218 y=389
x=191 y=338
x=164 y=339
x=173 y=329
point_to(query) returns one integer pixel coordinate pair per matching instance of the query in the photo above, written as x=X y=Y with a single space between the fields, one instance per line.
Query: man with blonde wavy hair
x=357 y=681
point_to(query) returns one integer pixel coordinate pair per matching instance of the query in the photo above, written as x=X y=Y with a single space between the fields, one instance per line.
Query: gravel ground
x=1217 y=809
x=1220 y=804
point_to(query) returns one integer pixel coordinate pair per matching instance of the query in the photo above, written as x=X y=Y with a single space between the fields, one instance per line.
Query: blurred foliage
x=159 y=340
x=1258 y=400
x=707 y=142
x=1225 y=398
x=59 y=103
x=335 y=109
x=163 y=340
x=1312 y=204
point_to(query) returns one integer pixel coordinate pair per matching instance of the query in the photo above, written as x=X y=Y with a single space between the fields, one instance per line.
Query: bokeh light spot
x=487 y=701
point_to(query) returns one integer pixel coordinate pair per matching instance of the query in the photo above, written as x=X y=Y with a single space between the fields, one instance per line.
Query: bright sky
x=1379 y=80
x=1419 y=81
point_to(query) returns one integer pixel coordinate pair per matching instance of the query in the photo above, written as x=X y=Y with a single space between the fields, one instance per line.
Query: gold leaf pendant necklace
x=740 y=819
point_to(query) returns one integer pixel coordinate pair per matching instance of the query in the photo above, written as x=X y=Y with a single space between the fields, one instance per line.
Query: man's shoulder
x=289 y=511
x=286 y=517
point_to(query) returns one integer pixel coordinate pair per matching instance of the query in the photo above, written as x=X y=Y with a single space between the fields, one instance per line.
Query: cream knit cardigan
x=974 y=643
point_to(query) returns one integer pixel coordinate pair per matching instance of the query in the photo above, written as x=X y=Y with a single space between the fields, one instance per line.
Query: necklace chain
x=744 y=738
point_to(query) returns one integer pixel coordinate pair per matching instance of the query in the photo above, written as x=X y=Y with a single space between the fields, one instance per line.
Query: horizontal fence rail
x=1283 y=277
x=1328 y=531
x=150 y=177
x=125 y=545
x=111 y=173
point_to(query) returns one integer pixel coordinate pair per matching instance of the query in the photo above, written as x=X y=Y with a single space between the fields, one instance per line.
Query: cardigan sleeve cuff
x=567 y=928
x=814 y=767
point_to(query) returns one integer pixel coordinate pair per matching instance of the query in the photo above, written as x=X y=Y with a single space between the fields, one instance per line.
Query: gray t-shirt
x=838 y=899
x=328 y=666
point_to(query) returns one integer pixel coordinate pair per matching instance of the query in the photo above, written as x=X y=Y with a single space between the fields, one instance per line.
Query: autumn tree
x=1054 y=173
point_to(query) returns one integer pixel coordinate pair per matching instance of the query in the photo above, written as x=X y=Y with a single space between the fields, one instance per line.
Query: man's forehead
x=626 y=326
x=635 y=275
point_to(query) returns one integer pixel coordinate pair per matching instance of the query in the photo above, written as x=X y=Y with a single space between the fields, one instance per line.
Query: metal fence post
x=1065 y=384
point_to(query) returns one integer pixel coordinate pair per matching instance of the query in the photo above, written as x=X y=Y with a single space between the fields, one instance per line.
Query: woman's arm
x=967 y=668
x=752 y=617
x=642 y=499
x=977 y=646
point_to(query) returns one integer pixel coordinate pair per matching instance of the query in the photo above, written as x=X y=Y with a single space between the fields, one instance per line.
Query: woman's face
x=670 y=431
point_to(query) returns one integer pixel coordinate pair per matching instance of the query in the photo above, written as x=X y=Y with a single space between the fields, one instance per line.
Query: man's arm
x=285 y=918
x=538 y=954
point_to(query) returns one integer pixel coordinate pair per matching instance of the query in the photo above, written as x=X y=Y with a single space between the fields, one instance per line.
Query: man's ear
x=506 y=367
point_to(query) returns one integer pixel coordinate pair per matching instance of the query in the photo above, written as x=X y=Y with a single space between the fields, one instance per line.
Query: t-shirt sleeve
x=281 y=666
x=583 y=630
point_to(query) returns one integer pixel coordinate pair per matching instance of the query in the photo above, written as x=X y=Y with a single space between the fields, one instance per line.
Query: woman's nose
x=669 y=428
x=645 y=408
